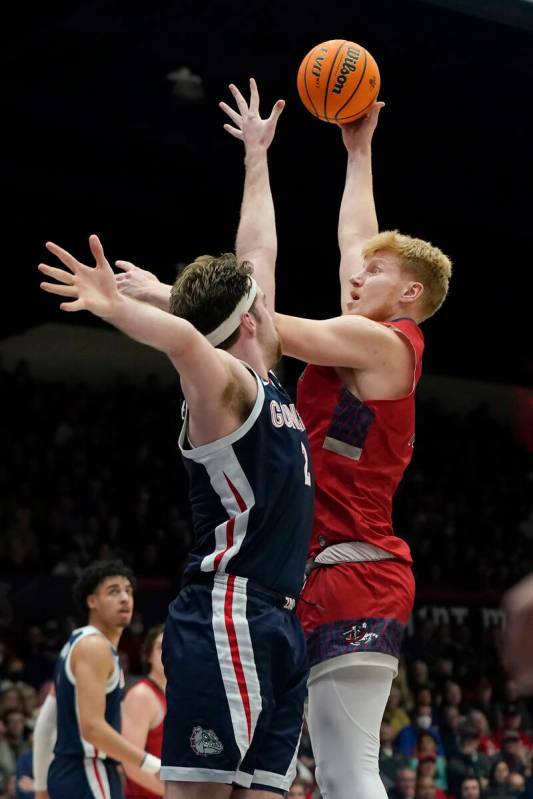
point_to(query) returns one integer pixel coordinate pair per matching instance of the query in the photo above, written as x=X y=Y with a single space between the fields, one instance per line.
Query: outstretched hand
x=134 y=281
x=358 y=134
x=248 y=125
x=91 y=288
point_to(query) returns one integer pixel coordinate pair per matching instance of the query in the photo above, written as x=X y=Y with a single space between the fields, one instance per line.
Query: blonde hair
x=420 y=259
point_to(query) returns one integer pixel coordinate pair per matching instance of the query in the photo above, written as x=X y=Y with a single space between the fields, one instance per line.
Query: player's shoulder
x=139 y=694
x=92 y=644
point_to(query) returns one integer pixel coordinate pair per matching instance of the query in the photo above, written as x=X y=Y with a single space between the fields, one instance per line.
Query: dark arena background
x=111 y=125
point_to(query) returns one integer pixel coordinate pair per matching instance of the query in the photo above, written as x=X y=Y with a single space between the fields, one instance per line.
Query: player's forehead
x=115 y=581
x=387 y=259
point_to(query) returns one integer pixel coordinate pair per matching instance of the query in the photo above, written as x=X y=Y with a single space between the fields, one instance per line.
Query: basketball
x=338 y=81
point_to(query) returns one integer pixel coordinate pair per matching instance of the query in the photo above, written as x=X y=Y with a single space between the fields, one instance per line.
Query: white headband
x=230 y=325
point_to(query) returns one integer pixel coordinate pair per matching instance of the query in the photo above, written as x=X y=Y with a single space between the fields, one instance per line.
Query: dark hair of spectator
x=93 y=575
x=148 y=644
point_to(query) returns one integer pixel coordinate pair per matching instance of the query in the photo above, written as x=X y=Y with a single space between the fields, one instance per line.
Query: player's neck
x=159 y=680
x=111 y=633
x=250 y=352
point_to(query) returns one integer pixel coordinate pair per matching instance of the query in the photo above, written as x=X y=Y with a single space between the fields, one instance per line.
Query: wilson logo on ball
x=350 y=63
x=338 y=81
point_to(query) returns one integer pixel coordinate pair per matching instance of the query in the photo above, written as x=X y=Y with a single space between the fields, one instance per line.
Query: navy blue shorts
x=236 y=668
x=83 y=778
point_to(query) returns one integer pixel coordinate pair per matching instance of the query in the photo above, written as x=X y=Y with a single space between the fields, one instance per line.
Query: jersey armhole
x=197 y=453
x=415 y=360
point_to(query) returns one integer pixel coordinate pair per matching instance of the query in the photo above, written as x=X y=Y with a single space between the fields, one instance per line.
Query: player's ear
x=412 y=292
x=249 y=323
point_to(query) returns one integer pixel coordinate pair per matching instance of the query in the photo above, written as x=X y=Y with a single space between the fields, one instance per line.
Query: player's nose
x=356 y=280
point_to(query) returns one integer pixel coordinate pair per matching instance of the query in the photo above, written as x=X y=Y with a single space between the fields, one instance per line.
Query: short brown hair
x=208 y=290
x=148 y=644
x=420 y=259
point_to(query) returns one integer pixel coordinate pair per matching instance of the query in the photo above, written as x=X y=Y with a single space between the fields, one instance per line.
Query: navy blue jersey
x=252 y=495
x=69 y=740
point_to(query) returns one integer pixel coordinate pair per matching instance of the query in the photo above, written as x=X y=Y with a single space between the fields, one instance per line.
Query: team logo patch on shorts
x=358 y=635
x=205 y=742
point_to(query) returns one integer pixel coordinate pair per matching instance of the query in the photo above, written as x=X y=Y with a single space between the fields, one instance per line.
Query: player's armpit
x=351 y=341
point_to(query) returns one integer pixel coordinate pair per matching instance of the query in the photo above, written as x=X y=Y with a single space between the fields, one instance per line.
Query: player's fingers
x=276 y=111
x=77 y=305
x=125 y=266
x=64 y=256
x=254 y=96
x=98 y=251
x=57 y=274
x=60 y=290
x=234 y=131
x=231 y=113
x=239 y=99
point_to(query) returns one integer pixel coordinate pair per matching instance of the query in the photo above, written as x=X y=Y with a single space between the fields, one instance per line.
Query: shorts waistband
x=209 y=578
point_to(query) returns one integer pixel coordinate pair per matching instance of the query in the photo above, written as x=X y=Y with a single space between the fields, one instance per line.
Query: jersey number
x=307 y=474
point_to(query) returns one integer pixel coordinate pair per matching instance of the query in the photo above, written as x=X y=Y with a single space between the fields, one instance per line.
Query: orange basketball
x=338 y=81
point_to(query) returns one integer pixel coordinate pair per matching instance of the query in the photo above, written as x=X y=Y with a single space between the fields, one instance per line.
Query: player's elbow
x=90 y=729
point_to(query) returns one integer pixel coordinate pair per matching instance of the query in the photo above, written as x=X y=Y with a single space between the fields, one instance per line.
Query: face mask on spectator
x=423 y=722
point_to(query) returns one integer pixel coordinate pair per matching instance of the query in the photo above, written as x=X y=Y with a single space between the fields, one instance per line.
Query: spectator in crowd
x=389 y=760
x=426 y=789
x=511 y=697
x=426 y=761
x=419 y=676
x=517 y=783
x=512 y=722
x=483 y=701
x=404 y=785
x=453 y=695
x=469 y=762
x=470 y=788
x=498 y=780
x=395 y=714
x=15 y=724
x=449 y=730
x=513 y=751
x=407 y=739
x=7 y=758
x=478 y=720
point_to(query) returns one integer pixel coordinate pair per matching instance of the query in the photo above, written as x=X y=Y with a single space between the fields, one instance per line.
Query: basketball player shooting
x=82 y=713
x=357 y=402
x=233 y=650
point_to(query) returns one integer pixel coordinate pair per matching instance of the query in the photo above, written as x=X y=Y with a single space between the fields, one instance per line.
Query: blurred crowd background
x=93 y=472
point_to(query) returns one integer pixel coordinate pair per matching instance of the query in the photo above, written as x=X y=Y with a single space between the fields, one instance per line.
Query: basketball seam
x=329 y=76
x=358 y=114
x=305 y=84
x=355 y=90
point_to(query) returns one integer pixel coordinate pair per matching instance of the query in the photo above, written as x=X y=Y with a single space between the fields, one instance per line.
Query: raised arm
x=140 y=284
x=256 y=234
x=205 y=372
x=357 y=217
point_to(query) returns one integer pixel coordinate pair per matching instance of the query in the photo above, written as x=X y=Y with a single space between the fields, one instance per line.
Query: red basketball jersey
x=154 y=742
x=360 y=451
